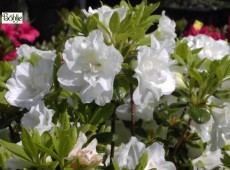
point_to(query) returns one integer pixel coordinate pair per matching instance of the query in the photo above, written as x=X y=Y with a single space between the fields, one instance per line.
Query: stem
x=133 y=111
x=183 y=136
x=12 y=135
x=113 y=131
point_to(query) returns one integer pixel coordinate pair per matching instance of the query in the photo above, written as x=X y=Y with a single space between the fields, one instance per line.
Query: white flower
x=221 y=126
x=90 y=68
x=128 y=155
x=156 y=158
x=212 y=49
x=203 y=130
x=39 y=117
x=153 y=72
x=87 y=156
x=25 y=51
x=29 y=84
x=104 y=14
x=144 y=110
x=165 y=33
x=208 y=160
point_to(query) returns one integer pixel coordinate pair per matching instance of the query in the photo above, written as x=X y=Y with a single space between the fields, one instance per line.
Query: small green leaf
x=225 y=160
x=28 y=144
x=64 y=120
x=49 y=165
x=115 y=165
x=199 y=115
x=103 y=114
x=75 y=22
x=142 y=161
x=35 y=59
x=196 y=75
x=114 y=23
x=91 y=24
x=2 y=97
x=48 y=151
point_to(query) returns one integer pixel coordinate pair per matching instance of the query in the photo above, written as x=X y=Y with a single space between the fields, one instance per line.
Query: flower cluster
x=199 y=28
x=16 y=35
x=118 y=96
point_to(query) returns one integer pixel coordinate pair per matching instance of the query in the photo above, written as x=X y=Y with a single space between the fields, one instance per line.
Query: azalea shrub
x=125 y=93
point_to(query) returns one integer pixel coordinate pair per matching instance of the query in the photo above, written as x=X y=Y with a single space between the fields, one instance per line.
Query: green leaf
x=2 y=97
x=126 y=23
x=5 y=70
x=91 y=24
x=28 y=144
x=199 y=115
x=35 y=59
x=15 y=149
x=49 y=165
x=115 y=165
x=64 y=120
x=103 y=114
x=48 y=151
x=196 y=75
x=46 y=139
x=36 y=138
x=75 y=22
x=179 y=59
x=114 y=23
x=226 y=160
x=142 y=161
x=87 y=127
x=65 y=145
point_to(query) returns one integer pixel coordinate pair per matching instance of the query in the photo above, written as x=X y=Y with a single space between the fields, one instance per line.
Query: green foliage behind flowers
x=116 y=96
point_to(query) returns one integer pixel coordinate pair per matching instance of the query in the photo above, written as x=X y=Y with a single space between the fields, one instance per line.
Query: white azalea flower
x=88 y=68
x=221 y=126
x=105 y=13
x=128 y=155
x=25 y=51
x=153 y=72
x=212 y=49
x=203 y=130
x=208 y=160
x=144 y=110
x=29 y=84
x=165 y=33
x=156 y=158
x=87 y=156
x=39 y=117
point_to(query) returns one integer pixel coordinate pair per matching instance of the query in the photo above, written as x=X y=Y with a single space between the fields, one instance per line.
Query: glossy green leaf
x=114 y=23
x=115 y=165
x=199 y=115
x=196 y=75
x=28 y=144
x=103 y=114
x=75 y=22
x=48 y=151
x=142 y=161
